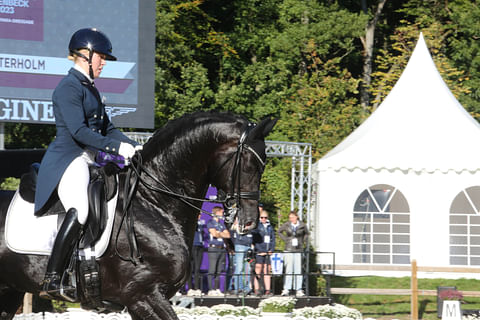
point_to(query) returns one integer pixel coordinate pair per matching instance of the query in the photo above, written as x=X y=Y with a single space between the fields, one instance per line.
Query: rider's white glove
x=126 y=150
x=138 y=147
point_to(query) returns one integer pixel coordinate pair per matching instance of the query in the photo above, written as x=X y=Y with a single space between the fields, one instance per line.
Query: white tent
x=406 y=183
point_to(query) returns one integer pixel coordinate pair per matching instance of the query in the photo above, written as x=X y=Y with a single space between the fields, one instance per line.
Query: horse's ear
x=269 y=126
x=263 y=128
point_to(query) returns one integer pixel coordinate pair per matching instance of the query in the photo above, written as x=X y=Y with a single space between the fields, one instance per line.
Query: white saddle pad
x=27 y=234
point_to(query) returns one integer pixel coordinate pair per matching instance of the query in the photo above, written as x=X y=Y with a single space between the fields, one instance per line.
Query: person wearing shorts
x=264 y=242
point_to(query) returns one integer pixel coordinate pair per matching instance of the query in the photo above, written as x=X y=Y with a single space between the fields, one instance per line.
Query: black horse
x=186 y=156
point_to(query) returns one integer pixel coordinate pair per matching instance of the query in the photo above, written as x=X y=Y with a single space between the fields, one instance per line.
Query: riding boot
x=65 y=242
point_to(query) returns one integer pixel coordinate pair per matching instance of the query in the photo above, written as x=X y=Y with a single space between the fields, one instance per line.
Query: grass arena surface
x=398 y=307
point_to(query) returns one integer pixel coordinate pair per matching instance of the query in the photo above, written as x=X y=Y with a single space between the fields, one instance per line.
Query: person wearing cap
x=83 y=128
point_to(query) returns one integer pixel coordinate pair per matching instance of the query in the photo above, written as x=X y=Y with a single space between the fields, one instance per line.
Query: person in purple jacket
x=83 y=128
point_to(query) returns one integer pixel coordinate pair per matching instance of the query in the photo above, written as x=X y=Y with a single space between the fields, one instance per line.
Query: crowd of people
x=245 y=259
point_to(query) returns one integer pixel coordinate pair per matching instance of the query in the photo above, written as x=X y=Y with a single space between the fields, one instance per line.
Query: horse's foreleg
x=10 y=301
x=154 y=307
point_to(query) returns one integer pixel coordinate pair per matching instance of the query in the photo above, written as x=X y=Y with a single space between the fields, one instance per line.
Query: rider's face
x=98 y=62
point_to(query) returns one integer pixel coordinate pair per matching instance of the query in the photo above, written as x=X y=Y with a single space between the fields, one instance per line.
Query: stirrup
x=47 y=292
x=59 y=291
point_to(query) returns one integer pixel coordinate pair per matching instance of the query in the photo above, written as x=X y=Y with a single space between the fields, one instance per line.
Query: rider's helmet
x=93 y=40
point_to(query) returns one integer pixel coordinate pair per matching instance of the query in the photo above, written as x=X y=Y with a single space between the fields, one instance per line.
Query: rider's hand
x=138 y=147
x=126 y=150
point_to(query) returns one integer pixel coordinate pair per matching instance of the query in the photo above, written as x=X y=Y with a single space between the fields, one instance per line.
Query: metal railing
x=311 y=270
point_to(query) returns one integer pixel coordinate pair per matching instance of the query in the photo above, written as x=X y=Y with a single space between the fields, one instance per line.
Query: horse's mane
x=192 y=128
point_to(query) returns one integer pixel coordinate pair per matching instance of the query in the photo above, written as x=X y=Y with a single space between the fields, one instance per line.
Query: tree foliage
x=300 y=61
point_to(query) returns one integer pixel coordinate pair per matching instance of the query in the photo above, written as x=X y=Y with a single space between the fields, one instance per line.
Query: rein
x=231 y=200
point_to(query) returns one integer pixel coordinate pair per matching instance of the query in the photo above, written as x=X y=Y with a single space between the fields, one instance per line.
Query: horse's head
x=238 y=167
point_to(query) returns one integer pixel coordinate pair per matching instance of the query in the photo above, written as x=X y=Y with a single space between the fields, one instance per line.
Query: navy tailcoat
x=79 y=117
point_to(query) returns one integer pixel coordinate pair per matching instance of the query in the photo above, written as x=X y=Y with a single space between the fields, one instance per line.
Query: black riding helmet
x=93 y=40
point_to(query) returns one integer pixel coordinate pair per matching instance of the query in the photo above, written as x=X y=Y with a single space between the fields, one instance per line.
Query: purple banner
x=43 y=81
x=21 y=19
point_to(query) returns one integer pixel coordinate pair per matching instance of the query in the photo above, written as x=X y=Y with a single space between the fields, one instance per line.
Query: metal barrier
x=310 y=265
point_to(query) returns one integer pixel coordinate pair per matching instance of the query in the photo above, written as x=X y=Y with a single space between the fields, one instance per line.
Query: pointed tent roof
x=420 y=126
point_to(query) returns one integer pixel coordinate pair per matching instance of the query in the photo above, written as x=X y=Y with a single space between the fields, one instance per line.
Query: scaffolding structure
x=301 y=184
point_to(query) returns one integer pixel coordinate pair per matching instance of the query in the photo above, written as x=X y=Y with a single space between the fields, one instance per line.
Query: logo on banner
x=21 y=19
x=32 y=110
x=118 y=111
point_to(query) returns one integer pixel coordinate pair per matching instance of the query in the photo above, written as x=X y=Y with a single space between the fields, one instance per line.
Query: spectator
x=216 y=250
x=260 y=208
x=231 y=263
x=195 y=289
x=295 y=234
x=264 y=241
x=242 y=243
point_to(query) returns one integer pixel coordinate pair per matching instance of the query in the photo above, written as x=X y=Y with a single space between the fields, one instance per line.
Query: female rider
x=83 y=128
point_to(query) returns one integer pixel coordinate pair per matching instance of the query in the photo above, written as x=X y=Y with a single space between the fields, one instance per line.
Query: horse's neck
x=182 y=166
x=183 y=175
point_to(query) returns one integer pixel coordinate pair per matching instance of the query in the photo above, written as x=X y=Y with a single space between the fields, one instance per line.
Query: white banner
x=58 y=66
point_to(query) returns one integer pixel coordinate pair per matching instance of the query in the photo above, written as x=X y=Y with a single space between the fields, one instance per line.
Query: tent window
x=381 y=226
x=465 y=228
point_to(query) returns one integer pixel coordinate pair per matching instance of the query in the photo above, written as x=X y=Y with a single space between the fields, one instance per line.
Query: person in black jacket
x=264 y=241
x=295 y=234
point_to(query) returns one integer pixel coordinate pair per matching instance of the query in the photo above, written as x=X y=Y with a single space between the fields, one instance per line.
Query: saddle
x=102 y=188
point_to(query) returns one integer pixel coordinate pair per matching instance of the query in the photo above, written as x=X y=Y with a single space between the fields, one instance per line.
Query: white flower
x=336 y=311
x=202 y=310
x=181 y=310
x=277 y=304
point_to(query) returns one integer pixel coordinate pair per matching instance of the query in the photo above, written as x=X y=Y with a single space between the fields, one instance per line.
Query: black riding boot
x=65 y=242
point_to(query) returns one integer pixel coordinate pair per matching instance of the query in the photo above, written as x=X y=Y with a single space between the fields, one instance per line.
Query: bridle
x=230 y=200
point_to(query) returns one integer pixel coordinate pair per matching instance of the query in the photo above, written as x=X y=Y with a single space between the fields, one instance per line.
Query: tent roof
x=420 y=126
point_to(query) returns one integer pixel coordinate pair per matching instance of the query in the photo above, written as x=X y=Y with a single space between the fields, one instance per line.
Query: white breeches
x=73 y=187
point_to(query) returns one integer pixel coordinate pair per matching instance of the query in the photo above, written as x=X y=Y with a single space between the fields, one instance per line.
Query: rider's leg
x=73 y=187
x=62 y=249
x=72 y=191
